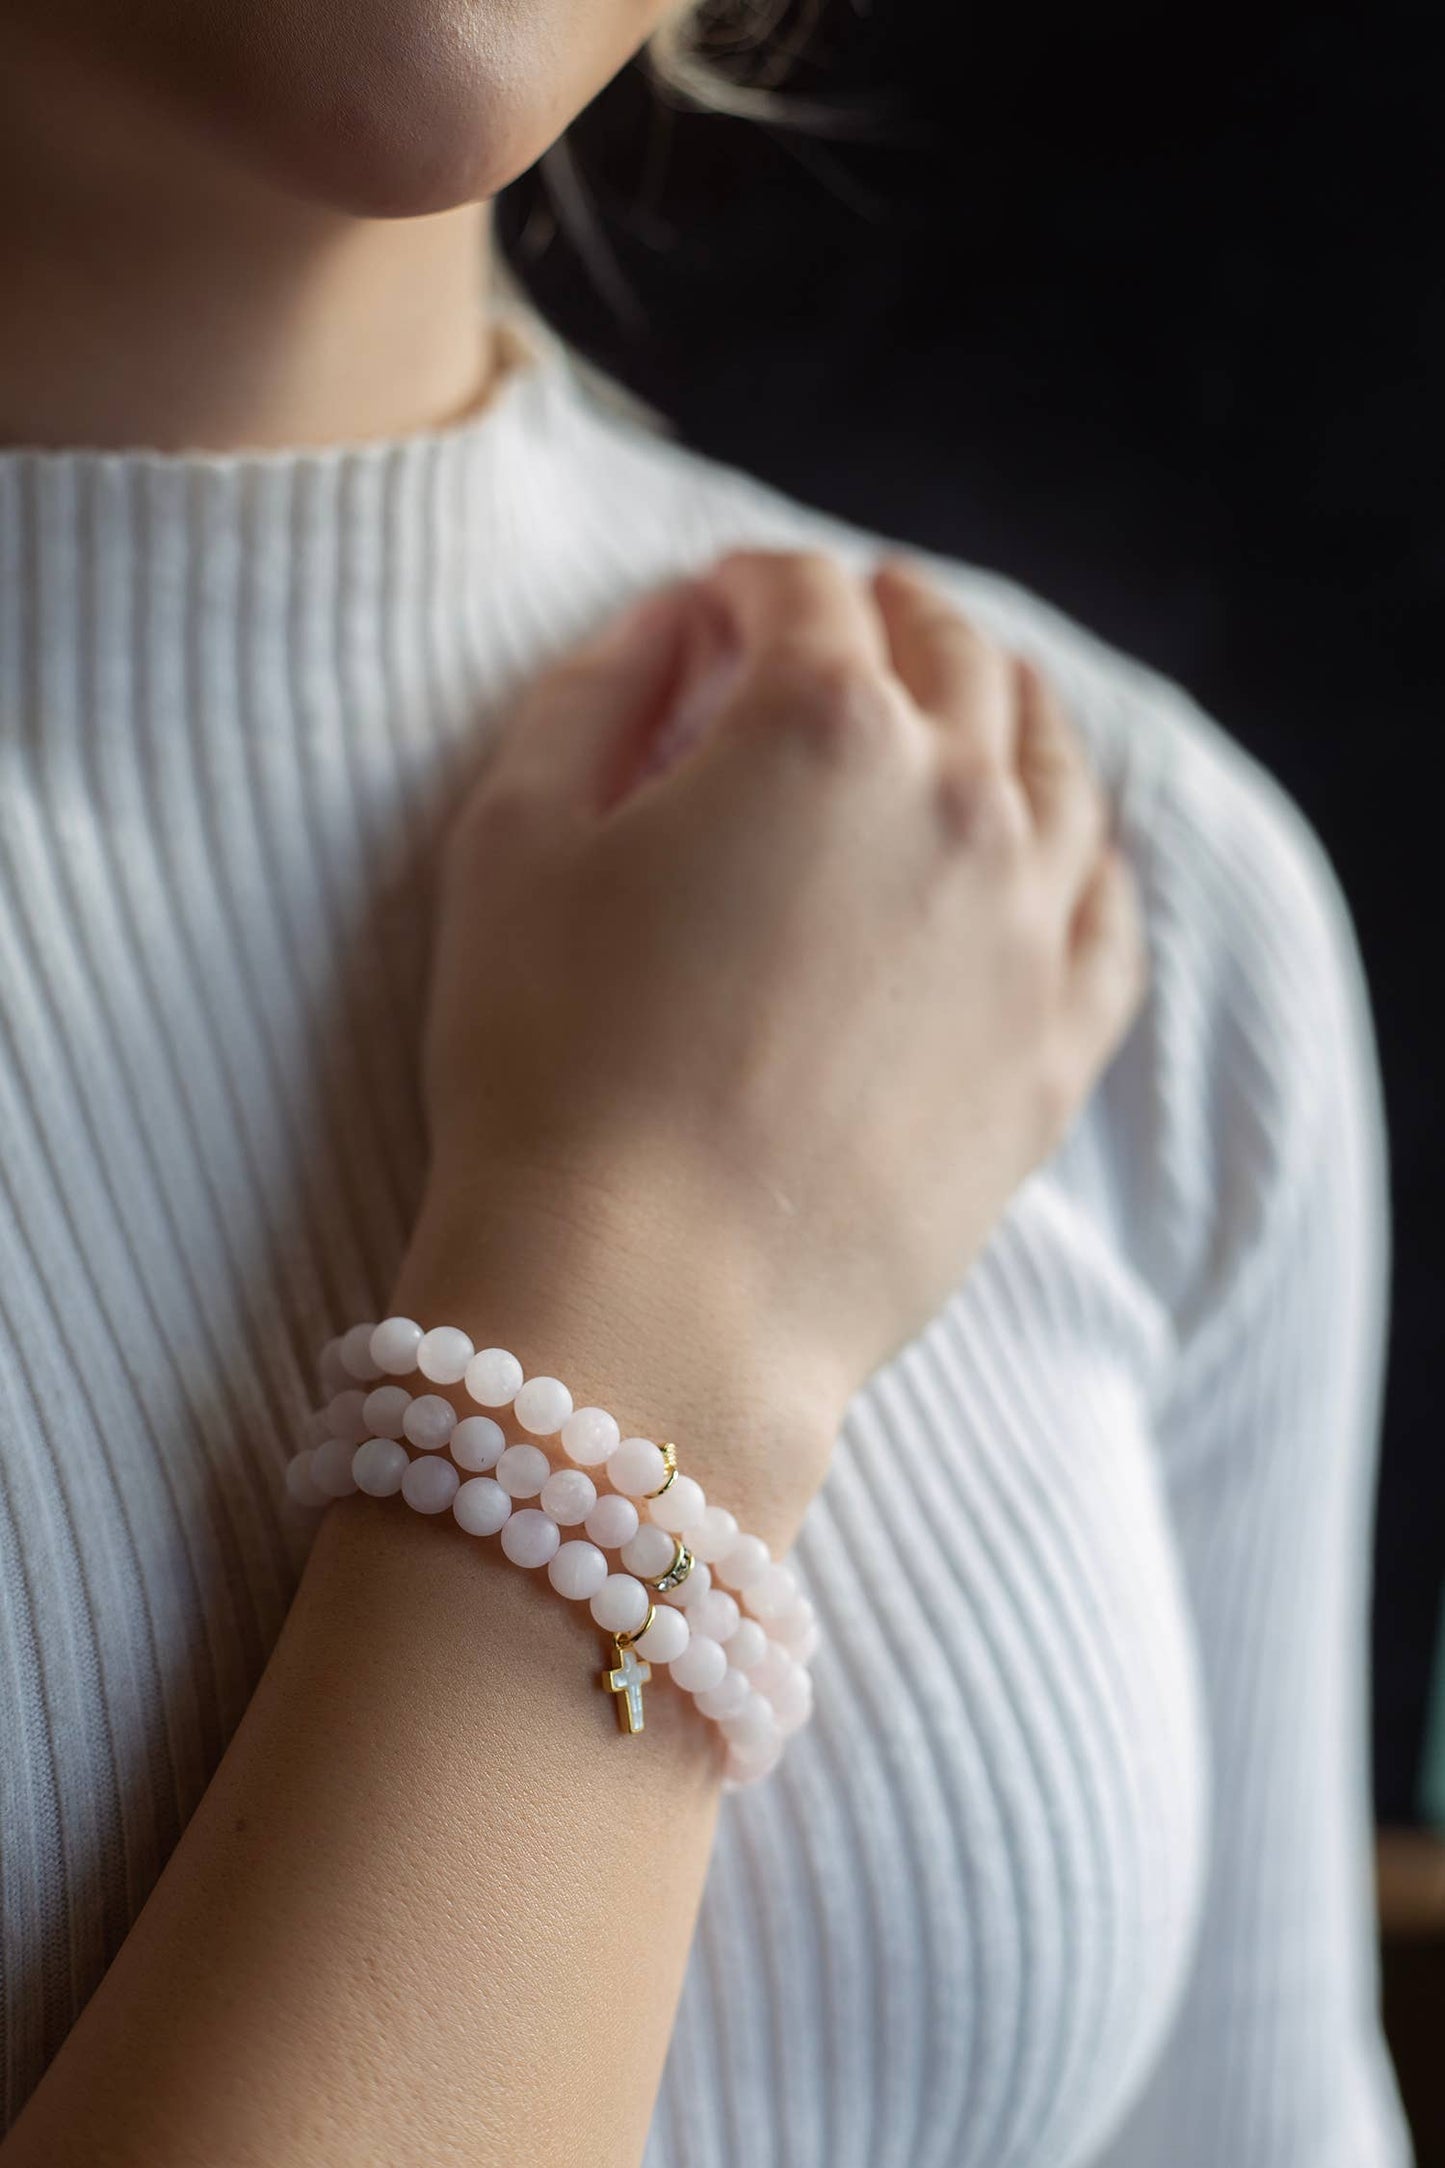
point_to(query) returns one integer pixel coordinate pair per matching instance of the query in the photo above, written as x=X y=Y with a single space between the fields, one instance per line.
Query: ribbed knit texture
x=1071 y=1866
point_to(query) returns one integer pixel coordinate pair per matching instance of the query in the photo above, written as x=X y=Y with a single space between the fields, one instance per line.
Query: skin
x=434 y=1907
x=271 y=219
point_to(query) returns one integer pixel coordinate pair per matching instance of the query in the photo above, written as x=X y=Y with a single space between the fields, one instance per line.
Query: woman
x=728 y=1073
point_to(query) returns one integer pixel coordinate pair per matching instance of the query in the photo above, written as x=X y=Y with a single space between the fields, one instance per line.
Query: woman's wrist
x=646 y=1306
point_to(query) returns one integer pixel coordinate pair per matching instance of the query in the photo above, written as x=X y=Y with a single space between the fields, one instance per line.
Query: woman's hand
x=760 y=1046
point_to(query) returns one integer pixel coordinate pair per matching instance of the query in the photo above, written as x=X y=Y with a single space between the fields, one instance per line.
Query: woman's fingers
x=1004 y=730
x=953 y=673
x=801 y=604
x=584 y=727
x=1066 y=801
x=1107 y=963
x=812 y=693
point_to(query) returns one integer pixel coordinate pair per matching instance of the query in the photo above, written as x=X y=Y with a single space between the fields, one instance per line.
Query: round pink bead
x=741 y=1768
x=681 y=1506
x=697 y=1584
x=650 y=1552
x=620 y=1605
x=666 y=1638
x=747 y=1645
x=748 y=1558
x=726 y=1698
x=805 y=1647
x=493 y=1377
x=378 y=1467
x=530 y=1538
x=714 y=1534
x=522 y=1470
x=543 y=1406
x=795 y=1627
x=636 y=1467
x=481 y=1506
x=430 y=1485
x=754 y=1729
x=478 y=1443
x=384 y=1410
x=590 y=1436
x=715 y=1614
x=393 y=1346
x=773 y=1665
x=429 y=1422
x=345 y=1417
x=302 y=1487
x=703 y=1663
x=569 y=1496
x=578 y=1571
x=356 y=1357
x=331 y=1467
x=334 y=1375
x=775 y=1591
x=792 y=1698
x=612 y=1521
x=443 y=1354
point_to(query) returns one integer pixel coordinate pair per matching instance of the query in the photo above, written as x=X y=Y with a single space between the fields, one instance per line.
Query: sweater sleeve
x=1265 y=1082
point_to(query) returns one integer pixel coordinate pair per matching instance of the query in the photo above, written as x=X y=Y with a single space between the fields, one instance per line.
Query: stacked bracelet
x=673 y=1604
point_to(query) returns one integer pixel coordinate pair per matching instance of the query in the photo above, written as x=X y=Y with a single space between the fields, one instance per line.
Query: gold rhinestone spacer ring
x=677 y=1572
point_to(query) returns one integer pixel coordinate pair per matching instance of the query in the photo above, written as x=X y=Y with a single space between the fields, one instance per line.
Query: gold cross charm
x=628 y=1676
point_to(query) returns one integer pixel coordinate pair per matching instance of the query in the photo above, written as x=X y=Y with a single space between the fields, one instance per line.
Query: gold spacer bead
x=678 y=1571
x=669 y=1462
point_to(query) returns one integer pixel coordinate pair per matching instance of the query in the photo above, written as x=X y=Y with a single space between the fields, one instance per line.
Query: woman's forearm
x=435 y=1905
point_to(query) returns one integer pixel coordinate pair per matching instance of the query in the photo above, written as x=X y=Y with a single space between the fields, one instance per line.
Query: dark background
x=1143 y=311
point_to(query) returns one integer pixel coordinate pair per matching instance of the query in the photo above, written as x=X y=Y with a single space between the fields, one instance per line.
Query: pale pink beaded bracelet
x=747 y=1673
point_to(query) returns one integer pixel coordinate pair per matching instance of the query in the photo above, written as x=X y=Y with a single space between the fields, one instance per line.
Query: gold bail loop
x=625 y=1641
x=669 y=1462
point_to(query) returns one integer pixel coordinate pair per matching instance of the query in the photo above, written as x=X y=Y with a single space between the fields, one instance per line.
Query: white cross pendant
x=626 y=1679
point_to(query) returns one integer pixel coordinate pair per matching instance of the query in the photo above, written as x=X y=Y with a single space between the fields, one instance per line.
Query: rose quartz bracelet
x=747 y=1673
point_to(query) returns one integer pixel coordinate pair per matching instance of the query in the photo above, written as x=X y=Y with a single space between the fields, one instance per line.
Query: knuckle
x=930 y=605
x=954 y=634
x=836 y=705
x=813 y=565
x=1050 y=725
x=804 y=575
x=982 y=812
x=958 y=654
x=1051 y=751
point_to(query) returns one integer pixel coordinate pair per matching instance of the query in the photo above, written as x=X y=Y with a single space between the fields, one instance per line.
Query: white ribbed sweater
x=1071 y=1866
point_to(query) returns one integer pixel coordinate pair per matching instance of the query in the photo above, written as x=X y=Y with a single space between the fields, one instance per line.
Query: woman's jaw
x=267 y=216
x=375 y=108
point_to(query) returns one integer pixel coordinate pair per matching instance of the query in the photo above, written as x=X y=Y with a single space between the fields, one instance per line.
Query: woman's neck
x=155 y=294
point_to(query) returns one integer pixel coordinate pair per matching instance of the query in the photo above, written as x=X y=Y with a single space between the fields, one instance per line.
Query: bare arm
x=749 y=1061
x=434 y=1905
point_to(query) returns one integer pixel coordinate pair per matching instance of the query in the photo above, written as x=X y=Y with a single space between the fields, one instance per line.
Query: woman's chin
x=382 y=159
x=397 y=108
x=389 y=126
